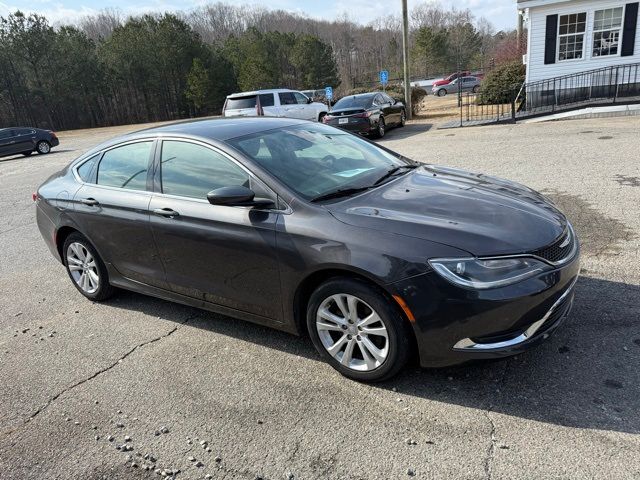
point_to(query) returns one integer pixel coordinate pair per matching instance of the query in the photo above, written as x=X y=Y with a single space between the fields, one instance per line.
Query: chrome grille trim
x=467 y=344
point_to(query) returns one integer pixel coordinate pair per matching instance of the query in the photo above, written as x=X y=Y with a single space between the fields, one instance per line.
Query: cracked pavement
x=266 y=405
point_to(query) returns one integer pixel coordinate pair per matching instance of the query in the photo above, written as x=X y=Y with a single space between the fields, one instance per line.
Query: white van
x=279 y=102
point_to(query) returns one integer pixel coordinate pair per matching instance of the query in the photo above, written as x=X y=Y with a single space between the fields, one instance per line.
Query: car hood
x=480 y=214
x=441 y=82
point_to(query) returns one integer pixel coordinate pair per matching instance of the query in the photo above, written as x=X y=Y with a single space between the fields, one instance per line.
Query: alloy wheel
x=43 y=147
x=352 y=332
x=83 y=268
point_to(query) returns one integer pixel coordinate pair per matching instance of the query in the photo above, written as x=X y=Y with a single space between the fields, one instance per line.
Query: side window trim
x=157 y=176
x=94 y=171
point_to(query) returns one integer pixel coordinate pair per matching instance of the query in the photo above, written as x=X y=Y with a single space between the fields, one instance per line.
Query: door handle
x=89 y=201
x=166 y=212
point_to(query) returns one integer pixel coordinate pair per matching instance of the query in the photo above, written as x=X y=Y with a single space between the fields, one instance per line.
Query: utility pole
x=519 y=29
x=405 y=58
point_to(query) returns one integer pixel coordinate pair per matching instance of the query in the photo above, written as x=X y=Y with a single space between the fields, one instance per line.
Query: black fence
x=609 y=85
x=599 y=87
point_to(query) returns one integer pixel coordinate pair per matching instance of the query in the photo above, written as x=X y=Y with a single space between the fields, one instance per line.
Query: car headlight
x=489 y=273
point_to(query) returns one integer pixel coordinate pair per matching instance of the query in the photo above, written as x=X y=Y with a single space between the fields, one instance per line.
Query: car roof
x=221 y=129
x=257 y=92
x=215 y=129
x=362 y=95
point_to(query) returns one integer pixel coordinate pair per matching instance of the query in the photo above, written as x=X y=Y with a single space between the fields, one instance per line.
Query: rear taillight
x=326 y=118
x=34 y=196
x=363 y=115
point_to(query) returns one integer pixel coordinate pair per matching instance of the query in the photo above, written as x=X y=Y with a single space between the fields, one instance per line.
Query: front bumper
x=454 y=325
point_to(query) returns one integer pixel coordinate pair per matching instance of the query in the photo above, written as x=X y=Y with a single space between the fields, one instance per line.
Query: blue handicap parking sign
x=384 y=77
x=328 y=92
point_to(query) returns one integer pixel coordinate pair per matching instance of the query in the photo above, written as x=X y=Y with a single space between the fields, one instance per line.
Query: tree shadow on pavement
x=587 y=375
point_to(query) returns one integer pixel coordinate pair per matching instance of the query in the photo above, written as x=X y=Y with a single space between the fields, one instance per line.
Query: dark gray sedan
x=26 y=140
x=464 y=84
x=312 y=230
x=367 y=113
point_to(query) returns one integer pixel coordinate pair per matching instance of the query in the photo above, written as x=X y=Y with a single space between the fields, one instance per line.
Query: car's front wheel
x=442 y=92
x=43 y=147
x=357 y=330
x=85 y=268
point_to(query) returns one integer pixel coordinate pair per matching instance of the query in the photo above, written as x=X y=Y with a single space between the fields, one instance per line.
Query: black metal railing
x=605 y=85
x=602 y=86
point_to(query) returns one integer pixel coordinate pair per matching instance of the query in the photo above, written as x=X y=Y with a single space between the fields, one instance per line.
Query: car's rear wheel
x=403 y=119
x=85 y=268
x=475 y=89
x=442 y=92
x=381 y=129
x=357 y=331
x=43 y=147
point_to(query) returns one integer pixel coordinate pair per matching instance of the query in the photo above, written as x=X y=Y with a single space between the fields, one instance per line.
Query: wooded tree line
x=109 y=69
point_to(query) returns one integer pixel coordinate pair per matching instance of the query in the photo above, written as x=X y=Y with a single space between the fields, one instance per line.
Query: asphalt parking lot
x=243 y=402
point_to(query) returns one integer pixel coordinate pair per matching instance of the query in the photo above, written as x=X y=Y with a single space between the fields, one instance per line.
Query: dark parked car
x=312 y=230
x=26 y=140
x=367 y=113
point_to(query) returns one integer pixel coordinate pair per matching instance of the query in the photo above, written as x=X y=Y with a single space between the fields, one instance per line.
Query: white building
x=571 y=36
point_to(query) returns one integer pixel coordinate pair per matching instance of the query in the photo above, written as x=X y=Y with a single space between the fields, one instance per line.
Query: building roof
x=522 y=4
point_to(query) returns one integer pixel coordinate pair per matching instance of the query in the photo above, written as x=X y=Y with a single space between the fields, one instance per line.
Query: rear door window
x=6 y=134
x=126 y=166
x=85 y=170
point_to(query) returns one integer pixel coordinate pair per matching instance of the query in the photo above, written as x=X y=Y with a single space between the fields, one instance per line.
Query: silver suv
x=273 y=103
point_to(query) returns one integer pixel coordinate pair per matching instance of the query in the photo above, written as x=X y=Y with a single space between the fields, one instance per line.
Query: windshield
x=354 y=102
x=314 y=160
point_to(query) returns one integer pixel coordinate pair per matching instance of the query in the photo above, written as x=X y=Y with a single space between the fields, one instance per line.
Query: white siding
x=537 y=70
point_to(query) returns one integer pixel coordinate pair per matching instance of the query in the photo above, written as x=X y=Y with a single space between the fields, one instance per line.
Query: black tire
x=321 y=116
x=104 y=289
x=26 y=154
x=43 y=147
x=381 y=129
x=398 y=331
x=441 y=93
x=403 y=118
x=475 y=89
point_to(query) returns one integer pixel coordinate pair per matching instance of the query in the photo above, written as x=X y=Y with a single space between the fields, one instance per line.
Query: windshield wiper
x=342 y=192
x=391 y=172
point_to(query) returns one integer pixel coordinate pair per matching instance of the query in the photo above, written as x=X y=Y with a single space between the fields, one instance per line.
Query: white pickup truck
x=273 y=103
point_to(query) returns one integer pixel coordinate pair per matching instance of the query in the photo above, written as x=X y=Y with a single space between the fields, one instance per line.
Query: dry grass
x=442 y=109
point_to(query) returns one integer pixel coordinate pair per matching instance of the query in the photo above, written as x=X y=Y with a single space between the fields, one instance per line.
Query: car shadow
x=587 y=375
x=409 y=130
x=35 y=155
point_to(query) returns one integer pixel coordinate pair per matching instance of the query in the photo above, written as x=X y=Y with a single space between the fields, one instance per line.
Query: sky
x=501 y=13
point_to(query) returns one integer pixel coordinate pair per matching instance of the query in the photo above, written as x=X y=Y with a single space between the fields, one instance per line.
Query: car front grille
x=560 y=250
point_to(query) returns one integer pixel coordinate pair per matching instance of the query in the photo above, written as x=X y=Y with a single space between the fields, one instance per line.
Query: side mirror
x=237 y=197
x=309 y=100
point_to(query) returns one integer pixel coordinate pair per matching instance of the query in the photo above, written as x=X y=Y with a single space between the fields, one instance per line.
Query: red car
x=451 y=78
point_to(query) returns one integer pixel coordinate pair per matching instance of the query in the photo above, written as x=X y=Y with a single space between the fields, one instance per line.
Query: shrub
x=503 y=83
